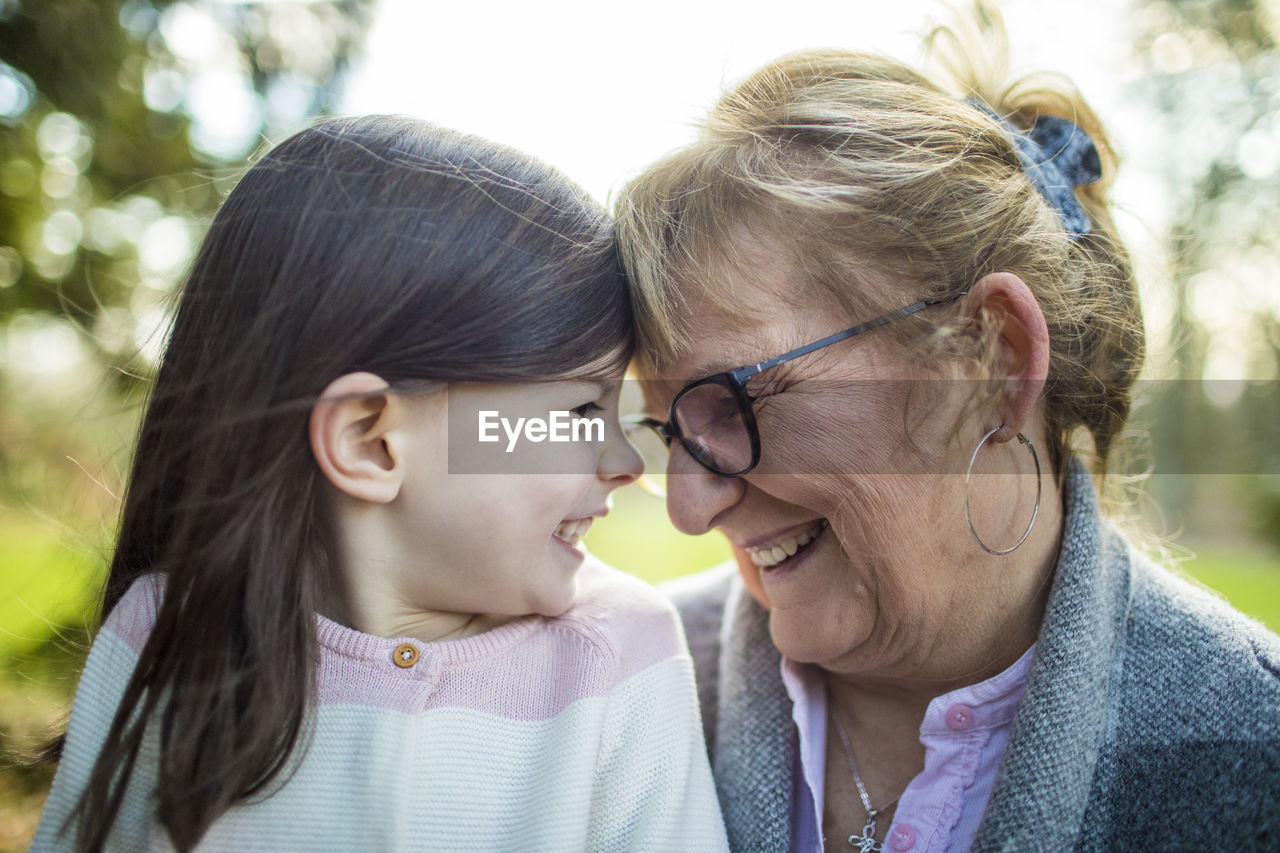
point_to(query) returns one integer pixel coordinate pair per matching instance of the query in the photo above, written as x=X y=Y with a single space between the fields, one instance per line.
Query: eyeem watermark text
x=559 y=426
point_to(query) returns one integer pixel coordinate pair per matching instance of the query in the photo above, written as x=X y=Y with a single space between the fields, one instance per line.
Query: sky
x=600 y=89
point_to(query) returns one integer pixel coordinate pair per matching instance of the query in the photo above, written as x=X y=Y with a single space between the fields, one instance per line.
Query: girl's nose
x=696 y=496
x=619 y=463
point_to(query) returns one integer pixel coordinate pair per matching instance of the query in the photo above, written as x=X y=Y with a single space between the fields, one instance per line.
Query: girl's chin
x=556 y=602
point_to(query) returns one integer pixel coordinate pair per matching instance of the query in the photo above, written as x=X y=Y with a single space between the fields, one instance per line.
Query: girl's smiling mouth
x=572 y=531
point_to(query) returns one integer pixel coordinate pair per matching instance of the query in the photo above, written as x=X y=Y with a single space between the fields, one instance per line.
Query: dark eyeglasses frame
x=736 y=381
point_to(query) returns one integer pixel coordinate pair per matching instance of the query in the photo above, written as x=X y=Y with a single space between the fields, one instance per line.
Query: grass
x=1250 y=580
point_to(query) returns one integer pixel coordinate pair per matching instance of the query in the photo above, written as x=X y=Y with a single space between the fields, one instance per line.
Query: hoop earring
x=1022 y=439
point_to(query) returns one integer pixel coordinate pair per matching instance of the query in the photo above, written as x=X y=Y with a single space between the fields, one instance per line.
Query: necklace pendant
x=866 y=842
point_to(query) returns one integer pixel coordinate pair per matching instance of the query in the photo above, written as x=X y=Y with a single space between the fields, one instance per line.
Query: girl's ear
x=1004 y=300
x=353 y=437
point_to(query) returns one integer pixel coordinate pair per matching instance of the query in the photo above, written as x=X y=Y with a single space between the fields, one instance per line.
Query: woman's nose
x=695 y=496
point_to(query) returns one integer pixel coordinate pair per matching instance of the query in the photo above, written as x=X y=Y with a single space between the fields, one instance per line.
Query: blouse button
x=405 y=655
x=959 y=717
x=903 y=837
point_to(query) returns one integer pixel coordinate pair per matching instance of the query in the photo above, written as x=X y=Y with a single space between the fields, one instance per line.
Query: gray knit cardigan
x=1150 y=718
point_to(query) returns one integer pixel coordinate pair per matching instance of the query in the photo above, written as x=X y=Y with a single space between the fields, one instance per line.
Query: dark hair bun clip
x=1058 y=156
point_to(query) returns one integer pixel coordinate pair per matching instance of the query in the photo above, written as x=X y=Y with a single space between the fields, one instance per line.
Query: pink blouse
x=964 y=734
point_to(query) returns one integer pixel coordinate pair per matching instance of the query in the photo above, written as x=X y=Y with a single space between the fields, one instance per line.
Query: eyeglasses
x=713 y=418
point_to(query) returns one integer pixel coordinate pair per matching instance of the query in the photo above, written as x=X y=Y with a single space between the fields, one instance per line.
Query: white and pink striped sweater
x=574 y=733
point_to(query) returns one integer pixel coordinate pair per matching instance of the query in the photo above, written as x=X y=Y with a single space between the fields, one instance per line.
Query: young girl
x=333 y=621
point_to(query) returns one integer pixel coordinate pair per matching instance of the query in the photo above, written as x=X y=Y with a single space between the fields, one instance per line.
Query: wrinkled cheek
x=848 y=434
x=880 y=518
x=862 y=515
x=898 y=528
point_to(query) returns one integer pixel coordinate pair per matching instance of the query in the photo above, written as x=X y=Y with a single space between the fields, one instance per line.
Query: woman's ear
x=1004 y=300
x=352 y=431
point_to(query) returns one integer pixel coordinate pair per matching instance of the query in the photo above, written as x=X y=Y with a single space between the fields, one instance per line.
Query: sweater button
x=405 y=655
x=903 y=837
x=959 y=717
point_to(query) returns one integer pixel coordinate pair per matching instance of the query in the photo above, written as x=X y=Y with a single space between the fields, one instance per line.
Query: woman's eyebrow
x=711 y=369
x=720 y=365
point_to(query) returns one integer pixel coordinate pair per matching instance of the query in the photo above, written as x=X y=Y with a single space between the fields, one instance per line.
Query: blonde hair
x=868 y=177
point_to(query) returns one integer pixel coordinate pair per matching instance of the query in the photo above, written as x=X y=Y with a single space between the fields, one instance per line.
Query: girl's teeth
x=573 y=531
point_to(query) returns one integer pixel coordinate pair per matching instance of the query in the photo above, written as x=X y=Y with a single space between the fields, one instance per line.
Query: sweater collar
x=338 y=639
x=755 y=745
x=1044 y=783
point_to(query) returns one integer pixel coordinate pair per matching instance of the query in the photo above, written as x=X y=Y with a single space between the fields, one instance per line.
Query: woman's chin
x=801 y=637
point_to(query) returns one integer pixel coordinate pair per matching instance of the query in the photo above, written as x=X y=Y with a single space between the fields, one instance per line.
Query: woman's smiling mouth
x=776 y=553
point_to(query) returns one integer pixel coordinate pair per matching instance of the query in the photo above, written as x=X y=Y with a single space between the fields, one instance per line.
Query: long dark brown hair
x=375 y=244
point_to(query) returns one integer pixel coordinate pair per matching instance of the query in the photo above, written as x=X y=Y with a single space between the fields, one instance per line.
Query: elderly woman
x=891 y=348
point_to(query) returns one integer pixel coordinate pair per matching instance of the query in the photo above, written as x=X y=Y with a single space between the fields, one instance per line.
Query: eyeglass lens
x=711 y=420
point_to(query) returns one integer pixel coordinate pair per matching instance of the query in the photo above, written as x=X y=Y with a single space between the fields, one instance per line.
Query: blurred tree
x=1213 y=75
x=112 y=117
x=121 y=124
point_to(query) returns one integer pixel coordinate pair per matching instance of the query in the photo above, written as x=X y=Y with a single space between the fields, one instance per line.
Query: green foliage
x=121 y=122
x=79 y=148
x=51 y=582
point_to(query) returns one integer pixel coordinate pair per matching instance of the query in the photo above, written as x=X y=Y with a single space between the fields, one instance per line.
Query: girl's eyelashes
x=587 y=409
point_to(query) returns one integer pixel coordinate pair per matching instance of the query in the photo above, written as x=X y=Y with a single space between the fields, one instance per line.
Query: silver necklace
x=865 y=842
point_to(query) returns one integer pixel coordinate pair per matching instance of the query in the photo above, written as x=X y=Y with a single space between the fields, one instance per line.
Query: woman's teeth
x=774 y=554
x=573 y=531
